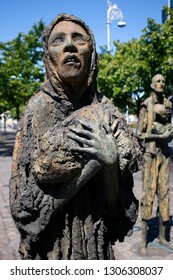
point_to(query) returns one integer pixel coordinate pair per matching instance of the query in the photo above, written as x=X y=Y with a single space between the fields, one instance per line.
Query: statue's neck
x=158 y=96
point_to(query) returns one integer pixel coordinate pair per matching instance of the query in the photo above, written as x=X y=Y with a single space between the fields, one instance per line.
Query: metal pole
x=108 y=30
x=108 y=25
x=169 y=6
x=113 y=12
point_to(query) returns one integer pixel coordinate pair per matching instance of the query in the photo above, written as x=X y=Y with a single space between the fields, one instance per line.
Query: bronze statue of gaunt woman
x=71 y=185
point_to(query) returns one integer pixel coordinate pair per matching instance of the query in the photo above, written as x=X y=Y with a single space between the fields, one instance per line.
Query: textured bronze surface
x=71 y=188
x=155 y=131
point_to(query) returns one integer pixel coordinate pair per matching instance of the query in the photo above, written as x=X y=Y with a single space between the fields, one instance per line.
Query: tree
x=21 y=68
x=125 y=77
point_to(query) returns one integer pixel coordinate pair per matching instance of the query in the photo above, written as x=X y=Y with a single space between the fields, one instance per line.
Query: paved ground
x=9 y=238
x=128 y=250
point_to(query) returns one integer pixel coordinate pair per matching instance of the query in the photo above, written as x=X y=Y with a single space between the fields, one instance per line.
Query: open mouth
x=71 y=59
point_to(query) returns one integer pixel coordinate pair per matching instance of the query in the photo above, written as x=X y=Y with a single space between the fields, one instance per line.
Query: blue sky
x=19 y=16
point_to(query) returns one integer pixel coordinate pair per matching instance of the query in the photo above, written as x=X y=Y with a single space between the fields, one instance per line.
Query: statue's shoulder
x=39 y=97
x=147 y=101
x=39 y=101
x=108 y=103
x=167 y=103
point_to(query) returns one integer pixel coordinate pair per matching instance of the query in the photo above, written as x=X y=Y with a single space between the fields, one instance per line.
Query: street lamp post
x=169 y=6
x=113 y=12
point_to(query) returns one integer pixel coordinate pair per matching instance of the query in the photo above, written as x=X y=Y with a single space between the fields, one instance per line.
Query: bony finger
x=107 y=119
x=82 y=132
x=80 y=139
x=107 y=128
x=75 y=137
x=117 y=133
x=114 y=126
x=86 y=124
x=77 y=130
x=71 y=135
x=74 y=129
x=87 y=150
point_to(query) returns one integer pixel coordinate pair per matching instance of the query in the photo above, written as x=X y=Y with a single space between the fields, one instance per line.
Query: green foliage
x=125 y=77
x=21 y=68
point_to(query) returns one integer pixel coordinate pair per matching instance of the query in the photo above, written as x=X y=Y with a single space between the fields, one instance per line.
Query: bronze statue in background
x=155 y=131
x=71 y=188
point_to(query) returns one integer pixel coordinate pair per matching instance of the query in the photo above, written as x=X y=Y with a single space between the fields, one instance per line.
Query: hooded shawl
x=57 y=214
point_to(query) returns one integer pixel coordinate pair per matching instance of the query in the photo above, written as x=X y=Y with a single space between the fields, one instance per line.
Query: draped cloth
x=59 y=217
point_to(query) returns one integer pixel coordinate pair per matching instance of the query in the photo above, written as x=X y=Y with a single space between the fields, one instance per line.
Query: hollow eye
x=79 y=39
x=58 y=40
x=128 y=155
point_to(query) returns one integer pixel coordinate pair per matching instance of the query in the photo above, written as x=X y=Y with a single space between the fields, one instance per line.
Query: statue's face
x=158 y=83
x=70 y=52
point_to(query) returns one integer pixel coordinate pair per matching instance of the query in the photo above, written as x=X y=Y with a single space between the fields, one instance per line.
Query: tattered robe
x=57 y=214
